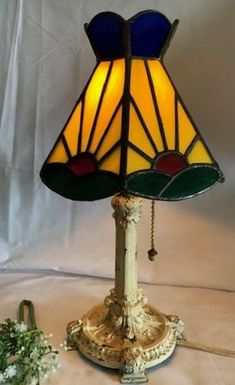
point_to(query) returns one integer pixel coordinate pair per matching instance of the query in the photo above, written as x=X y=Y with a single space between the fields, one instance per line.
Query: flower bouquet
x=25 y=355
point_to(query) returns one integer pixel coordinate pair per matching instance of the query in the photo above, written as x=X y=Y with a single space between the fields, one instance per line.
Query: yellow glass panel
x=112 y=162
x=137 y=135
x=72 y=130
x=186 y=129
x=165 y=95
x=92 y=98
x=112 y=96
x=135 y=162
x=199 y=154
x=140 y=91
x=112 y=136
x=58 y=154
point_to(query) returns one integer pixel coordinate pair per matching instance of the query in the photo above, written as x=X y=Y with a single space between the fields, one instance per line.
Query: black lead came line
x=106 y=131
x=82 y=100
x=169 y=38
x=125 y=101
x=141 y=119
x=156 y=107
x=190 y=147
x=140 y=152
x=79 y=146
x=109 y=152
x=67 y=150
x=176 y=124
x=99 y=106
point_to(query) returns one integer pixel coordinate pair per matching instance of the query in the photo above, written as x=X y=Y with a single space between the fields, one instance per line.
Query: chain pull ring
x=152 y=253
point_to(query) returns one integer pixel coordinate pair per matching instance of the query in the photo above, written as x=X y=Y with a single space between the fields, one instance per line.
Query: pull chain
x=152 y=253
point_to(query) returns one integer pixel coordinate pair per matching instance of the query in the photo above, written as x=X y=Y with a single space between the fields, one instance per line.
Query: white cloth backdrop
x=45 y=60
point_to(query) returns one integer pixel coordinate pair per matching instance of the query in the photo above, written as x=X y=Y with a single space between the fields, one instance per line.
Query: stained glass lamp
x=131 y=136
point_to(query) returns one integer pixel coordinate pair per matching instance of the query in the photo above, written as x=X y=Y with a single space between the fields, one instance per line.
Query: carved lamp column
x=129 y=134
x=125 y=332
x=127 y=214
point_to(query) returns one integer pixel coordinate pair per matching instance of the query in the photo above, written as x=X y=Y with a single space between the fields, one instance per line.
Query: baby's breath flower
x=21 y=327
x=2 y=378
x=10 y=371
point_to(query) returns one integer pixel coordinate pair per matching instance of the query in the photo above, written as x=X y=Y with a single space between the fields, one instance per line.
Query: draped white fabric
x=45 y=61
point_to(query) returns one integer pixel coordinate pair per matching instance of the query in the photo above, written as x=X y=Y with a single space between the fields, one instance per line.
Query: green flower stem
x=21 y=313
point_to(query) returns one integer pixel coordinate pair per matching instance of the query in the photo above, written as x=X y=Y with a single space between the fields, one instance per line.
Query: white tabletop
x=209 y=317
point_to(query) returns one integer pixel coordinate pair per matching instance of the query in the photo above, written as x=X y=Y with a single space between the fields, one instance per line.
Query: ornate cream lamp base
x=136 y=340
x=125 y=332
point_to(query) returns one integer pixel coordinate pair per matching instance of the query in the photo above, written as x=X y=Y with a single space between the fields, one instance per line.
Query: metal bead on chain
x=152 y=253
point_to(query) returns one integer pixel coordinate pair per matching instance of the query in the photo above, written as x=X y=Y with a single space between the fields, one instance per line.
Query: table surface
x=209 y=317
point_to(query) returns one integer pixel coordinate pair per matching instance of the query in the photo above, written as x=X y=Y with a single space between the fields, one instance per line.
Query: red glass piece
x=170 y=163
x=82 y=165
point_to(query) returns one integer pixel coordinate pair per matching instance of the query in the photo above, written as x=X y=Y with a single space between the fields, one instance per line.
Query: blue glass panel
x=149 y=32
x=105 y=32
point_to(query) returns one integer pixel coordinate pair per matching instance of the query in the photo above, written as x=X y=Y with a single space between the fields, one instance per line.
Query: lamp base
x=126 y=334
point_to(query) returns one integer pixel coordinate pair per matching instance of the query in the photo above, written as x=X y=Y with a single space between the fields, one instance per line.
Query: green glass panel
x=60 y=179
x=148 y=184
x=190 y=182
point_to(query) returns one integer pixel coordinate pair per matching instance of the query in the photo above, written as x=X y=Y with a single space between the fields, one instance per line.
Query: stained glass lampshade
x=130 y=131
x=129 y=135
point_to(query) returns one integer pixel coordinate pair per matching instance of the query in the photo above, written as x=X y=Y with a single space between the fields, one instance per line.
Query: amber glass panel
x=112 y=162
x=138 y=136
x=92 y=98
x=165 y=95
x=58 y=154
x=136 y=162
x=186 y=129
x=72 y=130
x=112 y=96
x=141 y=93
x=199 y=154
x=112 y=136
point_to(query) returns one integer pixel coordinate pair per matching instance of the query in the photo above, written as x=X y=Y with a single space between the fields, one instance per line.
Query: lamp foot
x=134 y=378
x=128 y=335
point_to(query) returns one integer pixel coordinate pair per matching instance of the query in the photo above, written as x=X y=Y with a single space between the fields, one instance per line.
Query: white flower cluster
x=31 y=357
x=21 y=327
x=8 y=373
